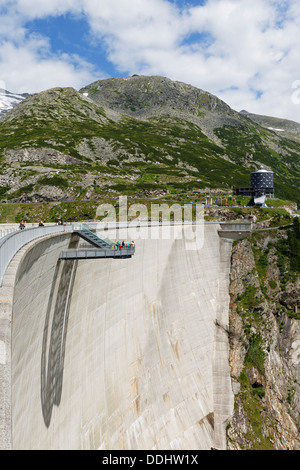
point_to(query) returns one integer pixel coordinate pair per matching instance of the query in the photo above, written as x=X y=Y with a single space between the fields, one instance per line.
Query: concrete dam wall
x=117 y=354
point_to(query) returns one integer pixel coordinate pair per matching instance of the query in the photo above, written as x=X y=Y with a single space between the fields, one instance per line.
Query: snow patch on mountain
x=9 y=100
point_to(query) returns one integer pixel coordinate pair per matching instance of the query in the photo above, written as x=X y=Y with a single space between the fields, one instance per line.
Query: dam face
x=121 y=353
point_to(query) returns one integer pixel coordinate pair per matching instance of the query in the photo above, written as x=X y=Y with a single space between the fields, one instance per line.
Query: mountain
x=135 y=135
x=9 y=100
x=282 y=127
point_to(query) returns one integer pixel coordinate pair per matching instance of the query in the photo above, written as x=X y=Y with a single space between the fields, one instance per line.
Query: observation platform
x=13 y=239
x=235 y=230
x=88 y=253
x=103 y=248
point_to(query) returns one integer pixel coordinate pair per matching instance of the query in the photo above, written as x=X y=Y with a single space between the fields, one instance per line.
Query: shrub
x=54 y=181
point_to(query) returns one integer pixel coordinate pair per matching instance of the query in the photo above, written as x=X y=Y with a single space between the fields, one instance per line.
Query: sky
x=246 y=52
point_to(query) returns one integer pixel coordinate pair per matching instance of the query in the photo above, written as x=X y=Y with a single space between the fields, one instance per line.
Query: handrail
x=88 y=230
x=81 y=253
x=13 y=242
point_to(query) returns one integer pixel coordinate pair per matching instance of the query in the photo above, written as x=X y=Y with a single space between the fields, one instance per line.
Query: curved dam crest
x=119 y=353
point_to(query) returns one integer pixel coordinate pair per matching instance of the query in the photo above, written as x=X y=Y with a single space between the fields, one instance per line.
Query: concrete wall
x=121 y=354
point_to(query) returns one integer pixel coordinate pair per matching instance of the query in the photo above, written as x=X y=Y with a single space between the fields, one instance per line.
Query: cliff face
x=265 y=344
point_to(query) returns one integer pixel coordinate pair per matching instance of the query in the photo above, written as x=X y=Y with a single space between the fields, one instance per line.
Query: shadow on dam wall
x=53 y=348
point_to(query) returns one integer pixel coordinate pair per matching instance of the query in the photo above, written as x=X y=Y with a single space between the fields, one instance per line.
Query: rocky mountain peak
x=144 y=96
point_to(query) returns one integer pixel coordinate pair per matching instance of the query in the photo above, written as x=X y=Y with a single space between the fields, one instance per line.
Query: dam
x=116 y=354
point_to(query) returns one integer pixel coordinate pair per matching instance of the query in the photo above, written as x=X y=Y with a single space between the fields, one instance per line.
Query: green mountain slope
x=282 y=127
x=128 y=135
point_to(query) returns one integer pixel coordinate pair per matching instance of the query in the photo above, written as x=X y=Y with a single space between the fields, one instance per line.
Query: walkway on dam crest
x=11 y=243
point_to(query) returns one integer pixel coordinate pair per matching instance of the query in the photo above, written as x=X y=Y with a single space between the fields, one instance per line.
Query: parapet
x=235 y=230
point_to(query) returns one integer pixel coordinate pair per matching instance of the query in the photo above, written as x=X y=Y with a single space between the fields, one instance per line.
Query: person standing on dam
x=22 y=225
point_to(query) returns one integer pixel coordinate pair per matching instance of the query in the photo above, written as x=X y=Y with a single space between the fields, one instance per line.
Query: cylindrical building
x=262 y=179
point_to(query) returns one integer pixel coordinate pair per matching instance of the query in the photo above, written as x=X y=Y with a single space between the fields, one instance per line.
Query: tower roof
x=262 y=170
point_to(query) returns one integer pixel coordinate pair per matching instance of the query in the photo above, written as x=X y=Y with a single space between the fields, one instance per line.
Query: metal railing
x=13 y=242
x=89 y=233
x=236 y=226
x=142 y=223
x=97 y=253
x=7 y=231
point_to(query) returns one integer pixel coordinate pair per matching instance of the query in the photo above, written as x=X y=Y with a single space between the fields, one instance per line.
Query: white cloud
x=27 y=63
x=31 y=9
x=253 y=47
x=250 y=56
x=30 y=68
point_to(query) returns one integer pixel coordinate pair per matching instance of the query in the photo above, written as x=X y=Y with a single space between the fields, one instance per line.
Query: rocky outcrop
x=291 y=297
x=40 y=155
x=141 y=95
x=264 y=349
x=222 y=214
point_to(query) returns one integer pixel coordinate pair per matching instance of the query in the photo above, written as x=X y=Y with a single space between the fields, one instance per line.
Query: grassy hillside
x=126 y=136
